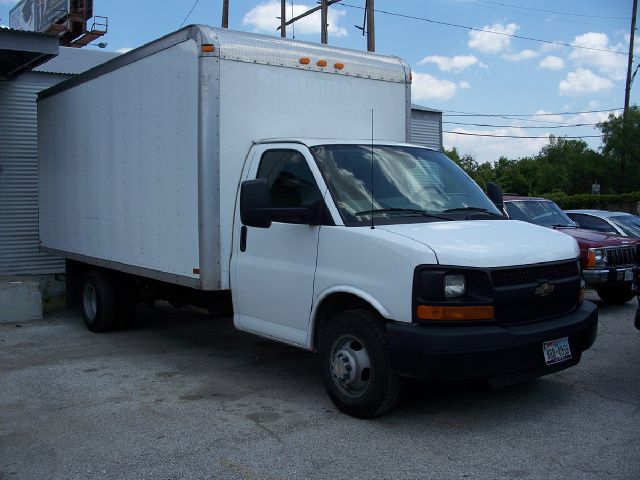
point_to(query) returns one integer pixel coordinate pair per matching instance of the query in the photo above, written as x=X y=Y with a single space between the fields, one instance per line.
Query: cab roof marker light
x=305 y=60
x=208 y=48
x=338 y=66
x=321 y=63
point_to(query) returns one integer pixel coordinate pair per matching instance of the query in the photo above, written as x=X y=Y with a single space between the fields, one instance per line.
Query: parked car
x=636 y=290
x=607 y=259
x=620 y=223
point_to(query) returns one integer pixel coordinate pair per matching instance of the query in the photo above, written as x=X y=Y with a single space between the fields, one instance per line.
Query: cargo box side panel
x=118 y=166
x=266 y=101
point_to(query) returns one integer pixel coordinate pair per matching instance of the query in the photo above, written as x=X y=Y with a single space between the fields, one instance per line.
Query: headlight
x=597 y=258
x=454 y=285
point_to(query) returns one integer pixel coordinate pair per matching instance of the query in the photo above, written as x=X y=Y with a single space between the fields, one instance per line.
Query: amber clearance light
x=430 y=312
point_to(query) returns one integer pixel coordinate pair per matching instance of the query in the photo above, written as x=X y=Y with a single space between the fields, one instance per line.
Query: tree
x=621 y=147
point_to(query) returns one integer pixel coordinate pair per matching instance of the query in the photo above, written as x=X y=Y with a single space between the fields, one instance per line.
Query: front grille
x=535 y=310
x=522 y=275
x=622 y=256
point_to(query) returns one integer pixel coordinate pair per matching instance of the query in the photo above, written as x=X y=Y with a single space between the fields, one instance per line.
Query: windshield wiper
x=412 y=211
x=473 y=209
x=560 y=225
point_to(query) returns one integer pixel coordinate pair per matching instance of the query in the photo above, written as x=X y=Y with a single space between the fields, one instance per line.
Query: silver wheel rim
x=90 y=302
x=350 y=366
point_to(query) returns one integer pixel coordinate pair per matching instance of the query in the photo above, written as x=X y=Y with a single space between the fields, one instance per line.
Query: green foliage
x=598 y=202
x=621 y=146
x=567 y=165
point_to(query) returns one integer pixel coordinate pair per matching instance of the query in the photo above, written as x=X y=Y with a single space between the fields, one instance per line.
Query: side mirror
x=255 y=203
x=494 y=192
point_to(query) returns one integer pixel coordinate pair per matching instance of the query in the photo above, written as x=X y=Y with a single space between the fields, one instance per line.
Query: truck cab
x=389 y=261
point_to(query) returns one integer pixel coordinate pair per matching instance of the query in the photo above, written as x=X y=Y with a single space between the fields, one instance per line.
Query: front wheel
x=357 y=370
x=615 y=296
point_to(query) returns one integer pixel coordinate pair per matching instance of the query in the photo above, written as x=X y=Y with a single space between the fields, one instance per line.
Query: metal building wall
x=426 y=128
x=19 y=177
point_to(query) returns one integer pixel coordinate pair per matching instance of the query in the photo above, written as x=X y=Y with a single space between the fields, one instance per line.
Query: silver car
x=620 y=223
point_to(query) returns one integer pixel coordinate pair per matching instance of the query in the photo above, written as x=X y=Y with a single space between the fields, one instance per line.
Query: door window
x=289 y=177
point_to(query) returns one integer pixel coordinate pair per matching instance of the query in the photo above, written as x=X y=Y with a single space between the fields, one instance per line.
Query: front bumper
x=502 y=354
x=608 y=276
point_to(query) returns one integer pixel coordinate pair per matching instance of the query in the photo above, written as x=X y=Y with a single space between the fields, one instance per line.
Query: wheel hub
x=344 y=367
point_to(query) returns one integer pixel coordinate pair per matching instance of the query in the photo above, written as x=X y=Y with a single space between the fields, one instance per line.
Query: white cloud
x=583 y=81
x=489 y=149
x=552 y=62
x=610 y=64
x=544 y=115
x=464 y=85
x=453 y=64
x=488 y=42
x=262 y=18
x=427 y=87
x=523 y=55
x=124 y=50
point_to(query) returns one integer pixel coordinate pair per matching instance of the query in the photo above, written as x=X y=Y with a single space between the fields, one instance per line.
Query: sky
x=467 y=57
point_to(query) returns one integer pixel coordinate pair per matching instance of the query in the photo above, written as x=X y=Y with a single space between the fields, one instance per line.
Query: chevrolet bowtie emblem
x=544 y=289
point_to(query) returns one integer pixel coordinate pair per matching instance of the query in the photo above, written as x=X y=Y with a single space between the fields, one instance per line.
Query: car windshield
x=629 y=224
x=397 y=184
x=540 y=212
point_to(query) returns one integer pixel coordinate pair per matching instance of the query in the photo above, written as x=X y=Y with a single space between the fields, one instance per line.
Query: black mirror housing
x=255 y=203
x=494 y=192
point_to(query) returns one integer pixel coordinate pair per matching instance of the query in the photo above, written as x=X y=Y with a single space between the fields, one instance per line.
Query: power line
x=188 y=14
x=538 y=15
x=515 y=136
x=551 y=11
x=468 y=114
x=523 y=126
x=466 y=27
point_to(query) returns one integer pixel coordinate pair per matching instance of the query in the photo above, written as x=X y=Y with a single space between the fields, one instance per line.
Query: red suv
x=607 y=260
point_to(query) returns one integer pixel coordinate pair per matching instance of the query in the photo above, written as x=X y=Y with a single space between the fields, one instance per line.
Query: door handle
x=243 y=238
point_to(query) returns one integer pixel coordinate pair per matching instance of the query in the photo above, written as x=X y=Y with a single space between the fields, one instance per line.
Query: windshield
x=629 y=224
x=540 y=212
x=398 y=185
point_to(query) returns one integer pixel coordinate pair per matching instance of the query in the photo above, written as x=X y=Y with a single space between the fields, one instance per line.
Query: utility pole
x=225 y=13
x=371 y=29
x=324 y=13
x=627 y=90
x=324 y=7
x=283 y=18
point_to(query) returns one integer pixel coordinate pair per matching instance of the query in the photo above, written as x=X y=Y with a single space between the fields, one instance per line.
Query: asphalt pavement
x=187 y=396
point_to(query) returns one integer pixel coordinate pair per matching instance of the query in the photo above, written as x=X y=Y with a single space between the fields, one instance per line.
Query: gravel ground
x=187 y=396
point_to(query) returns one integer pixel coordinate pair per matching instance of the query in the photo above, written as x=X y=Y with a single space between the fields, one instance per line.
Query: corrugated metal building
x=19 y=163
x=426 y=127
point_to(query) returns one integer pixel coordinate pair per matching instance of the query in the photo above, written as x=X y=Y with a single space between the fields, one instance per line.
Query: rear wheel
x=615 y=296
x=99 y=302
x=357 y=370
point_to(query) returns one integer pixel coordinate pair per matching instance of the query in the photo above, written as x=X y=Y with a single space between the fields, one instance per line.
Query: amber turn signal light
x=430 y=312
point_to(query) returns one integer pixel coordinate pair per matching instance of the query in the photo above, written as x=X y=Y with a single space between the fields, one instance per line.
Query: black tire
x=615 y=296
x=357 y=370
x=98 y=302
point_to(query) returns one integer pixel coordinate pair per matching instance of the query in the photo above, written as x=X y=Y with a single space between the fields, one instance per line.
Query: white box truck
x=213 y=164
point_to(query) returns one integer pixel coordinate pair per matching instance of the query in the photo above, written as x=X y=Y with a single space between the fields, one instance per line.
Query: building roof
x=415 y=106
x=21 y=51
x=72 y=61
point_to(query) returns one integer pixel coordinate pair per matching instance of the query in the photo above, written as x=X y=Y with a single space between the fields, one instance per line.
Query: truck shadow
x=257 y=364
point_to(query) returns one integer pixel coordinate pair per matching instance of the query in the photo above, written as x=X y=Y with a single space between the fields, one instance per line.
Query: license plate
x=556 y=351
x=628 y=275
